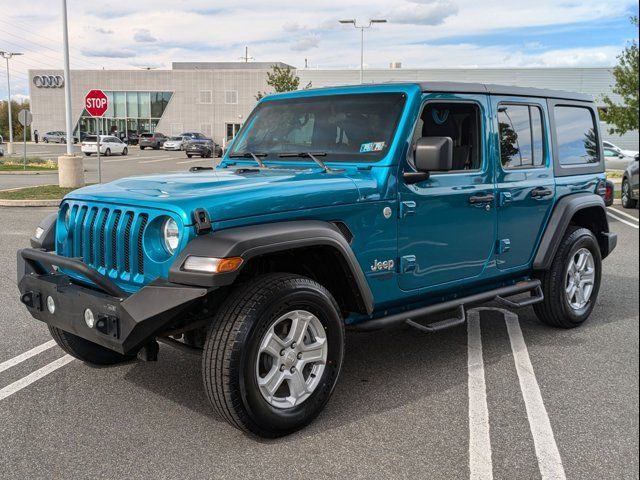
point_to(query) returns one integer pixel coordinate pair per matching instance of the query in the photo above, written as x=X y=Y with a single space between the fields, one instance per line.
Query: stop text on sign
x=96 y=103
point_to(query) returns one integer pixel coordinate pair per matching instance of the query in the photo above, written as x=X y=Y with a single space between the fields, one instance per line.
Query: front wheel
x=142 y=148
x=273 y=354
x=572 y=283
x=87 y=154
x=125 y=151
x=627 y=199
x=107 y=152
x=85 y=350
x=189 y=156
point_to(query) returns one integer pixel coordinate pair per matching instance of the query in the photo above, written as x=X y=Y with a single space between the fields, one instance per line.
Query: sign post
x=25 y=118
x=96 y=104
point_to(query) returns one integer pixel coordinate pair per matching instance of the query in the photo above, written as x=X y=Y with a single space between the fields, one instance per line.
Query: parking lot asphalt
x=403 y=407
x=137 y=162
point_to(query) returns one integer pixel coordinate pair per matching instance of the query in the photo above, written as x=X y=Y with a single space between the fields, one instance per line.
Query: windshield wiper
x=313 y=156
x=255 y=156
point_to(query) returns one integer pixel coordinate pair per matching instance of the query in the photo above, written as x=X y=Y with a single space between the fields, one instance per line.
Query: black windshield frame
x=383 y=110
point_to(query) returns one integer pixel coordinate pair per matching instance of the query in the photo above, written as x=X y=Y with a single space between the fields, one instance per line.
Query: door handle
x=481 y=199
x=541 y=192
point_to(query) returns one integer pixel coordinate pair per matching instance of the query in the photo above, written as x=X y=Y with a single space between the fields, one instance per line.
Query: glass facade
x=128 y=113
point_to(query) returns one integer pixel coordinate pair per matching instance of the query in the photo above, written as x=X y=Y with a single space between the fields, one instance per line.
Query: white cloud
x=421 y=12
x=144 y=35
x=306 y=42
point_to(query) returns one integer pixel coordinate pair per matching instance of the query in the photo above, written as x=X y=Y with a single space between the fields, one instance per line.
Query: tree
x=4 y=120
x=282 y=79
x=509 y=147
x=624 y=118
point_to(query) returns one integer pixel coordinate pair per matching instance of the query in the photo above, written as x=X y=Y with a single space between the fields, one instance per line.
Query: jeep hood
x=228 y=193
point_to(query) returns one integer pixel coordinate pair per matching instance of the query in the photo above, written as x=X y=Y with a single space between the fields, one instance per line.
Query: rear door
x=524 y=175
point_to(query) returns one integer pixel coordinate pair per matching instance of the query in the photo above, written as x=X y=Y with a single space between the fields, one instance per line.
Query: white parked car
x=626 y=153
x=174 y=143
x=109 y=145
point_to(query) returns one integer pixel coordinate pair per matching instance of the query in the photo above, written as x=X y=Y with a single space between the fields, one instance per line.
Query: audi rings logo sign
x=48 y=81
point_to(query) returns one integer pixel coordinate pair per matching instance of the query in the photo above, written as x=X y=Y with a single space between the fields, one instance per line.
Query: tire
x=125 y=151
x=232 y=358
x=85 y=350
x=627 y=199
x=556 y=309
x=189 y=156
x=45 y=140
x=142 y=148
x=87 y=154
x=107 y=152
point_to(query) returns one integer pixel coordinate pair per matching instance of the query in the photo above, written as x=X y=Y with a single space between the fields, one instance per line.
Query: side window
x=521 y=137
x=576 y=136
x=461 y=122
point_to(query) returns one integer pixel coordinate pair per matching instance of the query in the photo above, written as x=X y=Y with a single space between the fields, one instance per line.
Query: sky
x=119 y=34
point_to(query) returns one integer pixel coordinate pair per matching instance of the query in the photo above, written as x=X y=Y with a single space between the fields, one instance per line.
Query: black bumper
x=123 y=322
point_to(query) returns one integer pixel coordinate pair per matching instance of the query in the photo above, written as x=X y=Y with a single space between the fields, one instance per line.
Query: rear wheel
x=85 y=350
x=572 y=283
x=189 y=156
x=87 y=154
x=45 y=140
x=273 y=354
x=142 y=148
x=627 y=199
x=107 y=152
x=125 y=151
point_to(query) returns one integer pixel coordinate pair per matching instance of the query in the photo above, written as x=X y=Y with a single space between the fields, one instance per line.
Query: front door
x=524 y=174
x=447 y=226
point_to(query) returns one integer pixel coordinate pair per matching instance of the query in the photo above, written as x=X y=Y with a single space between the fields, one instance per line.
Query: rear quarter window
x=576 y=137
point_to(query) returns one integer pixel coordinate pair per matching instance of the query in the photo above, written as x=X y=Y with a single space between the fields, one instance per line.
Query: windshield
x=175 y=139
x=356 y=127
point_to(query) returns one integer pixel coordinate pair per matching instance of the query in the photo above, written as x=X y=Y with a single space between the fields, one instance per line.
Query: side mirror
x=432 y=154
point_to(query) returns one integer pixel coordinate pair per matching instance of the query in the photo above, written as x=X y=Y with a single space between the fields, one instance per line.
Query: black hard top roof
x=486 y=88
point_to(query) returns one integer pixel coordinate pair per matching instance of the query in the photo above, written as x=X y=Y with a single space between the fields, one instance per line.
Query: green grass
x=614 y=174
x=15 y=164
x=44 y=192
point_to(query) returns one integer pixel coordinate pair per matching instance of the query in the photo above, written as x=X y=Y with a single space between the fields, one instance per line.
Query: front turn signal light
x=211 y=264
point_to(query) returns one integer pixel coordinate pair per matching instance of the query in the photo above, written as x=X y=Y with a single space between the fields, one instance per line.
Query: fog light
x=212 y=265
x=51 y=305
x=89 y=318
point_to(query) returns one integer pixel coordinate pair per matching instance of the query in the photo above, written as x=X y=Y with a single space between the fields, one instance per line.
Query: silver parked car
x=630 y=188
x=57 y=137
x=175 y=143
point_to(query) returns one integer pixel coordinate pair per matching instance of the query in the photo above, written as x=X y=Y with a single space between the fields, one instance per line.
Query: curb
x=30 y=172
x=30 y=203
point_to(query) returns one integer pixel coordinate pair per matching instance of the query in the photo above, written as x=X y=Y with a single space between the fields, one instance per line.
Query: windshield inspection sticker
x=372 y=147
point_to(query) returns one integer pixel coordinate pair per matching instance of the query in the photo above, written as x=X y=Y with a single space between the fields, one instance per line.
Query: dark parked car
x=204 y=147
x=152 y=140
x=630 y=185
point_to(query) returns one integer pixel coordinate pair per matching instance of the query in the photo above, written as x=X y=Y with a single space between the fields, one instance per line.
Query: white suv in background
x=109 y=145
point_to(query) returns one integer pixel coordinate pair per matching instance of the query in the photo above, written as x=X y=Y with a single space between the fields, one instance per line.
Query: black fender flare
x=256 y=240
x=564 y=211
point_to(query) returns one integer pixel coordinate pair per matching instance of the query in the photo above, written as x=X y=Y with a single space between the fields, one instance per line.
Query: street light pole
x=7 y=56
x=67 y=79
x=362 y=28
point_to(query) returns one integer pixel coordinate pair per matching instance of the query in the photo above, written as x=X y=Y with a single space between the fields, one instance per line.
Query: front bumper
x=123 y=322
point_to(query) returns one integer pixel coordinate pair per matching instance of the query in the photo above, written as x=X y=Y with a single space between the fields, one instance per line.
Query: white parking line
x=480 y=464
x=163 y=159
x=193 y=161
x=549 y=461
x=26 y=355
x=622 y=220
x=620 y=212
x=34 y=377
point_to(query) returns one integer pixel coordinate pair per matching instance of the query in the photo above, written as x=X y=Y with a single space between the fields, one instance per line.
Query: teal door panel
x=524 y=177
x=443 y=236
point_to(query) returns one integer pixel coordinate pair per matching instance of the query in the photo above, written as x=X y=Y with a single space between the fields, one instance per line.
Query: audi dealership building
x=216 y=97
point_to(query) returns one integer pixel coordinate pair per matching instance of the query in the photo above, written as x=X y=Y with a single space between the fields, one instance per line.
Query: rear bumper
x=123 y=322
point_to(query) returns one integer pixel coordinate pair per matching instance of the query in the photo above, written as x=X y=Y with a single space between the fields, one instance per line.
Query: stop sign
x=96 y=103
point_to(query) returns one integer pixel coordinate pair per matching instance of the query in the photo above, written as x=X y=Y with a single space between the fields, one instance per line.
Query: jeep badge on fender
x=320 y=215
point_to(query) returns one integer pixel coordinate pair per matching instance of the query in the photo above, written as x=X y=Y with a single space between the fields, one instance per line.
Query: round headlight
x=170 y=235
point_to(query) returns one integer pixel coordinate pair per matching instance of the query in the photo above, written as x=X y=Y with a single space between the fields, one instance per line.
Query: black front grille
x=108 y=239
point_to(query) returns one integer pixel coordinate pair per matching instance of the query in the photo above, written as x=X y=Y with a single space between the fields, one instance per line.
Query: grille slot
x=103 y=227
x=143 y=223
x=127 y=242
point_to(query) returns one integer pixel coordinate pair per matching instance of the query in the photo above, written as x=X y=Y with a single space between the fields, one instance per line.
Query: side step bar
x=499 y=295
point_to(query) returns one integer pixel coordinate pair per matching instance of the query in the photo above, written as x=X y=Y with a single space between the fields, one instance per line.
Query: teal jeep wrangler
x=363 y=207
